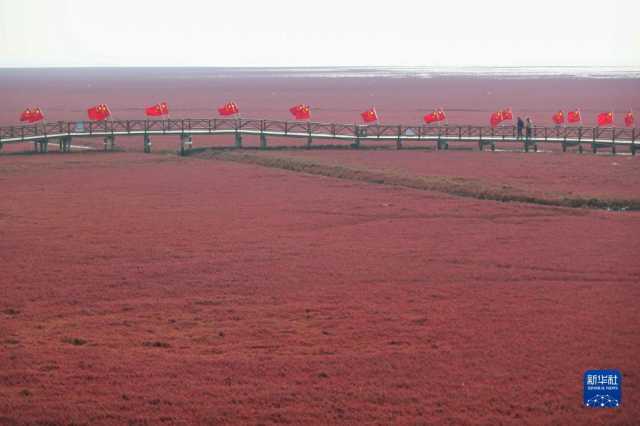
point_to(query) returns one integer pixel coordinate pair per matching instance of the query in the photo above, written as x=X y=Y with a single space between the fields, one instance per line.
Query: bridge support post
x=238 y=140
x=147 y=144
x=263 y=141
x=309 y=141
x=482 y=143
x=442 y=144
x=530 y=144
x=109 y=143
x=186 y=142
x=40 y=145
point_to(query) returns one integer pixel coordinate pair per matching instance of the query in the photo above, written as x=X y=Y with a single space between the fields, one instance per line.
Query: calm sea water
x=412 y=72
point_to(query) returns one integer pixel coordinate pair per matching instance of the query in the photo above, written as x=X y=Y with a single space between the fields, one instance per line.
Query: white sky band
x=329 y=33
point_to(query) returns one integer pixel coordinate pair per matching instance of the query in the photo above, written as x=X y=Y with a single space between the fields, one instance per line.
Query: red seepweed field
x=152 y=288
x=314 y=286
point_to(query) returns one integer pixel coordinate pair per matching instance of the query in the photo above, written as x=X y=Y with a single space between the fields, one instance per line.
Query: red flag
x=36 y=115
x=230 y=108
x=496 y=118
x=432 y=117
x=370 y=115
x=301 y=112
x=158 y=109
x=153 y=111
x=99 y=112
x=32 y=115
x=629 y=119
x=605 y=118
x=435 y=116
x=574 y=116
x=558 y=117
x=507 y=114
x=26 y=115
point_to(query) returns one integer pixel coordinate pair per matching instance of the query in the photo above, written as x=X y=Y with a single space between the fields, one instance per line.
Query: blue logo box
x=602 y=388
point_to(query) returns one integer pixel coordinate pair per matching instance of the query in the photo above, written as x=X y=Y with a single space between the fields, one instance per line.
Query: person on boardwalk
x=529 y=128
x=520 y=126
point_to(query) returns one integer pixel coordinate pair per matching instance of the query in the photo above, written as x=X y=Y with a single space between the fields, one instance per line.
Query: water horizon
x=420 y=72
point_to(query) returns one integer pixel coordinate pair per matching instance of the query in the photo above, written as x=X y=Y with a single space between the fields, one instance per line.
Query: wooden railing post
x=238 y=136
x=263 y=137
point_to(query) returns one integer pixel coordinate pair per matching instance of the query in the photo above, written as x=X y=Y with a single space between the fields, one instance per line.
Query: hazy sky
x=319 y=33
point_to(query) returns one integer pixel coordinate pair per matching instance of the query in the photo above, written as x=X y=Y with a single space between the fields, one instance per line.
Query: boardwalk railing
x=41 y=134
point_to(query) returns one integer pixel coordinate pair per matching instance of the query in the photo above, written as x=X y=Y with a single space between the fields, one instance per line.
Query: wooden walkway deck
x=41 y=135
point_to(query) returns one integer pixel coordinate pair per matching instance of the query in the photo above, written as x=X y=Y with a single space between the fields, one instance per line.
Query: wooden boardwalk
x=62 y=133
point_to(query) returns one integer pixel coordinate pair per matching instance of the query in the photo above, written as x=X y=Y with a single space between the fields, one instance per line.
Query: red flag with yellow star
x=26 y=115
x=629 y=119
x=432 y=117
x=605 y=118
x=301 y=112
x=157 y=110
x=36 y=115
x=32 y=115
x=99 y=112
x=230 y=108
x=496 y=118
x=558 y=117
x=507 y=114
x=574 y=116
x=370 y=115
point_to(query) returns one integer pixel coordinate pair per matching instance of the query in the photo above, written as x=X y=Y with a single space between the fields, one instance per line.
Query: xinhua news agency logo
x=602 y=388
